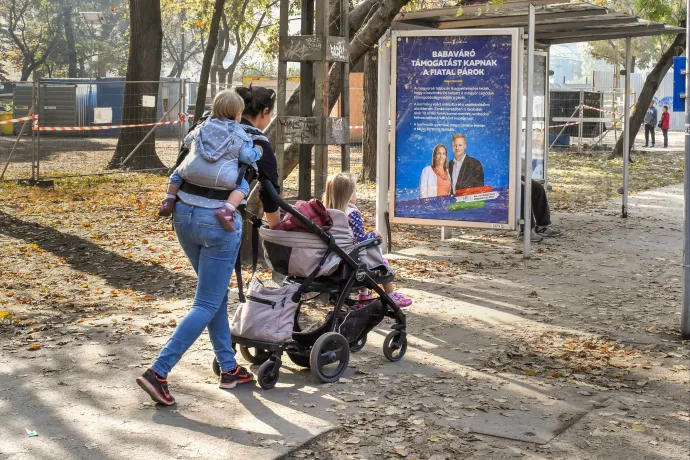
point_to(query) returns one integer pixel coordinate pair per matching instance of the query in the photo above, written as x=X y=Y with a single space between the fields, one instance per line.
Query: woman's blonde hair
x=227 y=105
x=339 y=190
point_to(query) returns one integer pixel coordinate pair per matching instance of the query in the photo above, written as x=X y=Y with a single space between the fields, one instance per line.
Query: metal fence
x=87 y=127
x=77 y=127
x=604 y=81
x=587 y=118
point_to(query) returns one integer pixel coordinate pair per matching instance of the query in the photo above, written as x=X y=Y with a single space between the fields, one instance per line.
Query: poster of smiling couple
x=454 y=104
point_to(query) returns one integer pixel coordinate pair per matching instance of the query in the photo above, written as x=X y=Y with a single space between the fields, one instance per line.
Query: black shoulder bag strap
x=256 y=224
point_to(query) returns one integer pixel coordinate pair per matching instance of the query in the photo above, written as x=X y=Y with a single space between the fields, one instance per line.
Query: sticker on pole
x=148 y=101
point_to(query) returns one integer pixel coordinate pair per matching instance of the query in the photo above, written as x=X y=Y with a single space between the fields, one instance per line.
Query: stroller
x=328 y=264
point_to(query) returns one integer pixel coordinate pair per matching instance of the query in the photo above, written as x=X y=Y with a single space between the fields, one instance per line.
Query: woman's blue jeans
x=212 y=250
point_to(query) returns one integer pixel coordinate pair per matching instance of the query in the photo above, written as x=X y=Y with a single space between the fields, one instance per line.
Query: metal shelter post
x=518 y=141
x=685 y=313
x=626 y=133
x=529 y=128
x=383 y=138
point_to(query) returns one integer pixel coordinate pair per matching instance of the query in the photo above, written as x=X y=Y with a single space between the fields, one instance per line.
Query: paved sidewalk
x=572 y=354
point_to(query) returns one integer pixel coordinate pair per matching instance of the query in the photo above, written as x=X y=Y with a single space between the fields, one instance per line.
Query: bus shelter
x=470 y=85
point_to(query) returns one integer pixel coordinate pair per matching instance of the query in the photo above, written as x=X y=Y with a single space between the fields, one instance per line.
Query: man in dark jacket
x=465 y=171
x=650 y=119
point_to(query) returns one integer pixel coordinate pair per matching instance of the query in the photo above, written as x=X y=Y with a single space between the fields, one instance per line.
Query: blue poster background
x=488 y=132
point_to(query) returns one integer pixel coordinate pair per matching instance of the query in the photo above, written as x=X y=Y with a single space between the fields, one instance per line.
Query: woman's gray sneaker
x=547 y=232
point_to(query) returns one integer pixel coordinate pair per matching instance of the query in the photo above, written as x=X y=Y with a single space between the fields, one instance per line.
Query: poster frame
x=514 y=33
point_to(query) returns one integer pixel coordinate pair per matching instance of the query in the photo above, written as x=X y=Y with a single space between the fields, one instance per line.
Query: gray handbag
x=267 y=315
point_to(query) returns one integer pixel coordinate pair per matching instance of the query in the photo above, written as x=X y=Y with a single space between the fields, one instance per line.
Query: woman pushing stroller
x=211 y=239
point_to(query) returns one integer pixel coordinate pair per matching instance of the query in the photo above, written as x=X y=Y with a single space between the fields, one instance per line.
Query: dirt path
x=588 y=329
x=572 y=354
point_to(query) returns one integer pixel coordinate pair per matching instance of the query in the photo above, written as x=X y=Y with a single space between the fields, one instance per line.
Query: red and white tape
x=567 y=124
x=16 y=120
x=103 y=127
x=599 y=110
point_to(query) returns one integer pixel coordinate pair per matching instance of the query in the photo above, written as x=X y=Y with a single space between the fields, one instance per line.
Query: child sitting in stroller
x=341 y=194
x=216 y=149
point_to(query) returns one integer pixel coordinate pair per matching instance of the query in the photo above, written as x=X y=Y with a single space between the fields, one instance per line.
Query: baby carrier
x=315 y=263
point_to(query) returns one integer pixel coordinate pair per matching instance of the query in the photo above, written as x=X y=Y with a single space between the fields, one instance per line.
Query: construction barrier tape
x=104 y=127
x=567 y=124
x=191 y=115
x=599 y=110
x=16 y=120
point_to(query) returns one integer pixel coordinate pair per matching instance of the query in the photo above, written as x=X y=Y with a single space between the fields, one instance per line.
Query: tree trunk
x=143 y=64
x=371 y=81
x=651 y=84
x=231 y=74
x=214 y=81
x=26 y=71
x=208 y=58
x=174 y=71
x=71 y=46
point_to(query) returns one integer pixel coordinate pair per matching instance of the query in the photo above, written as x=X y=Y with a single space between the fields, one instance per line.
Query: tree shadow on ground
x=81 y=408
x=86 y=256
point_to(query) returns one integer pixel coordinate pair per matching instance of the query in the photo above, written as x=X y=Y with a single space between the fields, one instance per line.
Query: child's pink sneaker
x=401 y=299
x=366 y=295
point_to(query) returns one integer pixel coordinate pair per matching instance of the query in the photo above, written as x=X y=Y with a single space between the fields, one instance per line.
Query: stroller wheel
x=394 y=346
x=216 y=367
x=359 y=344
x=329 y=357
x=268 y=374
x=258 y=357
x=302 y=361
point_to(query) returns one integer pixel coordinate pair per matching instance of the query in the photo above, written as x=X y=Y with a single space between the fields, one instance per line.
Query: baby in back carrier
x=216 y=149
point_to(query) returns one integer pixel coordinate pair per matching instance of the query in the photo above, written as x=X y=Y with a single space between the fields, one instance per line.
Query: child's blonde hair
x=339 y=190
x=227 y=105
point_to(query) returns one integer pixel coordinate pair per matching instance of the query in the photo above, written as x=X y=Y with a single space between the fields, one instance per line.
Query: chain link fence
x=89 y=127
x=17 y=141
x=83 y=127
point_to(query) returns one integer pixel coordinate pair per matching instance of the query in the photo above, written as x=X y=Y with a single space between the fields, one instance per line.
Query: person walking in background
x=650 y=119
x=665 y=124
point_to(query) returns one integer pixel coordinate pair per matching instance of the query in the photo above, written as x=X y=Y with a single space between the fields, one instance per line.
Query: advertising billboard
x=454 y=99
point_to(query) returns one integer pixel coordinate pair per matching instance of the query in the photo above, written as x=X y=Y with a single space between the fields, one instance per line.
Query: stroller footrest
x=271 y=346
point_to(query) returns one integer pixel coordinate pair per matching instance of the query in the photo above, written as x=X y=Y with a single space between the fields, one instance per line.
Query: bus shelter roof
x=557 y=21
